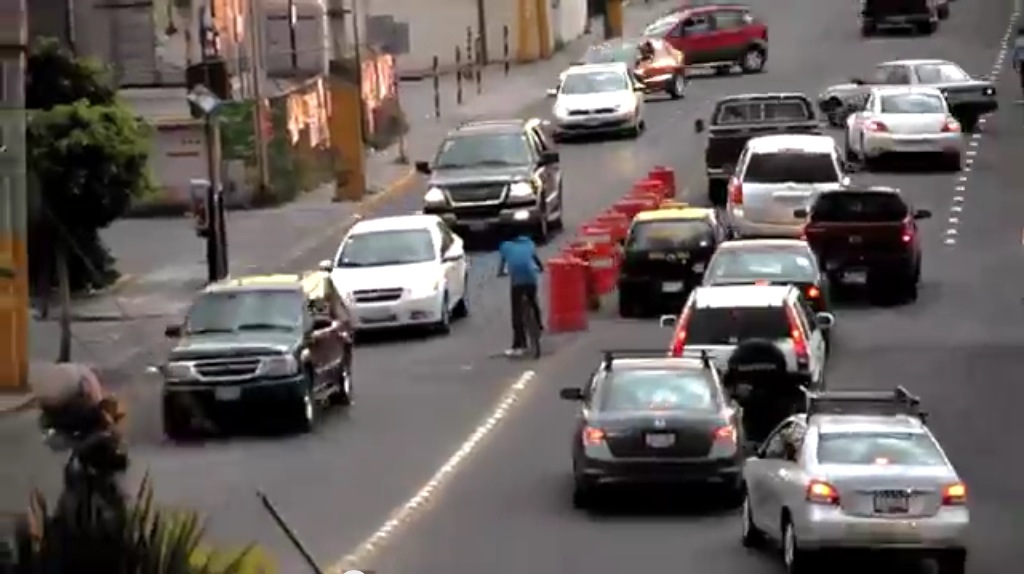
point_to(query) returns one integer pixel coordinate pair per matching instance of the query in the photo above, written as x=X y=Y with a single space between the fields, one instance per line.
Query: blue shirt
x=519 y=257
x=1018 y=50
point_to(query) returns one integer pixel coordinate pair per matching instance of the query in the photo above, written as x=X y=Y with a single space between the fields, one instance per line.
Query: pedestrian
x=1018 y=56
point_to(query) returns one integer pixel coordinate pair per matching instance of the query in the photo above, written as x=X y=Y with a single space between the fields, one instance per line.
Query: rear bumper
x=896 y=20
x=744 y=227
x=830 y=528
x=882 y=265
x=975 y=108
x=877 y=144
x=654 y=471
x=660 y=289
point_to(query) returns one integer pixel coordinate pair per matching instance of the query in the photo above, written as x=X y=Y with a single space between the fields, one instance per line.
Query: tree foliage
x=87 y=158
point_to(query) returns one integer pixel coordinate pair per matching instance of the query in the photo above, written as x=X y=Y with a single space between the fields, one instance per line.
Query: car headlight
x=425 y=289
x=178 y=371
x=280 y=366
x=521 y=190
x=990 y=91
x=434 y=195
x=560 y=111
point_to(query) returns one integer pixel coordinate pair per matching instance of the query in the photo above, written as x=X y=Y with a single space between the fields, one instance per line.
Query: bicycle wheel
x=531 y=328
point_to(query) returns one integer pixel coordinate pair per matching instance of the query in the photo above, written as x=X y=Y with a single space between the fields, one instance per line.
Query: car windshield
x=377 y=248
x=740 y=265
x=483 y=150
x=656 y=389
x=625 y=53
x=721 y=326
x=669 y=235
x=940 y=73
x=859 y=207
x=661 y=27
x=879 y=448
x=791 y=167
x=913 y=104
x=230 y=311
x=594 y=83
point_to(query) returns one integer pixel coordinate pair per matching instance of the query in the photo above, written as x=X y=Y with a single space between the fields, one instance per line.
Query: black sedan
x=773 y=262
x=649 y=419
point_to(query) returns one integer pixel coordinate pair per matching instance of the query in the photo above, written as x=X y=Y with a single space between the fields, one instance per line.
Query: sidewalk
x=120 y=333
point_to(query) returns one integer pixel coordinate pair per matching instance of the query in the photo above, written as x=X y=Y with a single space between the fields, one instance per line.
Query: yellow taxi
x=664 y=257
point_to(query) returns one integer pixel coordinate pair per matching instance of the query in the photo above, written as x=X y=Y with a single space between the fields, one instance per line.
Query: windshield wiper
x=264 y=326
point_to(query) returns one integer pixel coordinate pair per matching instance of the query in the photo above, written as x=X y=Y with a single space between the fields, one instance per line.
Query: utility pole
x=347 y=122
x=14 y=300
x=256 y=66
x=481 y=30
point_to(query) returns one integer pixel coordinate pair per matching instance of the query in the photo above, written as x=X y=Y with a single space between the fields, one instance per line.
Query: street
x=505 y=506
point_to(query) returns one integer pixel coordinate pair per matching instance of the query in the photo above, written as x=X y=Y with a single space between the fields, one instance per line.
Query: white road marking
x=412 y=508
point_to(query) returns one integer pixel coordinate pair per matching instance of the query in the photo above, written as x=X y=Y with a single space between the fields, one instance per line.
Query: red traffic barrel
x=583 y=250
x=567 y=294
x=604 y=260
x=667 y=176
x=649 y=186
x=617 y=222
x=630 y=206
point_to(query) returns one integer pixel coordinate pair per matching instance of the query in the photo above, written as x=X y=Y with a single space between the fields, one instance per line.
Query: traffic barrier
x=650 y=186
x=667 y=176
x=584 y=251
x=567 y=294
x=604 y=261
x=630 y=206
x=617 y=222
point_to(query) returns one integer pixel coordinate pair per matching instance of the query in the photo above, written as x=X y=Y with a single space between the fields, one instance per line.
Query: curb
x=27 y=403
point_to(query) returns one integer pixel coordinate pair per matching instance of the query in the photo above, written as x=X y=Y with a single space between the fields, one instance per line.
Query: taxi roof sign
x=683 y=213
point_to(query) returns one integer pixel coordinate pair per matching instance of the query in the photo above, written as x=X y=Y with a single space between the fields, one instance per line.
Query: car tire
x=677 y=86
x=910 y=289
x=723 y=70
x=305 y=406
x=953 y=162
x=583 y=493
x=732 y=493
x=795 y=560
x=969 y=123
x=444 y=325
x=955 y=562
x=176 y=426
x=541 y=231
x=834 y=113
x=629 y=308
x=867 y=29
x=559 y=223
x=753 y=60
x=848 y=152
x=342 y=396
x=717 y=189
x=928 y=28
x=461 y=310
x=751 y=535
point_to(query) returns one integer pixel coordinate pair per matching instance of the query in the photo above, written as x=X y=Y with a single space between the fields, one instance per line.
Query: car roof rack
x=610 y=355
x=898 y=401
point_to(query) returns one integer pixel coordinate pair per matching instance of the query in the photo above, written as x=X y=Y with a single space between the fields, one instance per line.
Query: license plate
x=855 y=277
x=227 y=393
x=660 y=440
x=698 y=267
x=672 y=287
x=892 y=504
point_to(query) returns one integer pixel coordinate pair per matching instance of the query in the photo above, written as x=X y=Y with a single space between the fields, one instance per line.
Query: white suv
x=716 y=319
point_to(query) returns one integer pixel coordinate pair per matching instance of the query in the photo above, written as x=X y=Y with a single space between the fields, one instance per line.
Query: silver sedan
x=899 y=120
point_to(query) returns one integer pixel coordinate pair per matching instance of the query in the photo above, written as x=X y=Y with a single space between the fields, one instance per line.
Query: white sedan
x=598 y=98
x=899 y=120
x=407 y=270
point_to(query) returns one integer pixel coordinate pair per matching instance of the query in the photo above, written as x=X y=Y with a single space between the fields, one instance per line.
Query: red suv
x=717 y=36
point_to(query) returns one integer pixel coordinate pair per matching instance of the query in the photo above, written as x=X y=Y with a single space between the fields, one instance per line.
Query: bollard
x=458 y=75
x=583 y=251
x=617 y=222
x=604 y=260
x=504 y=48
x=469 y=53
x=567 y=294
x=478 y=69
x=667 y=176
x=649 y=186
x=437 y=87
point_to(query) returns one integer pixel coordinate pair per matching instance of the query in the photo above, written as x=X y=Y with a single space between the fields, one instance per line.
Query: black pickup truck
x=737 y=119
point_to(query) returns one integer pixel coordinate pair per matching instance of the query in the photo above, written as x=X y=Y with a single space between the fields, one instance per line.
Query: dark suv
x=921 y=15
x=280 y=342
x=491 y=174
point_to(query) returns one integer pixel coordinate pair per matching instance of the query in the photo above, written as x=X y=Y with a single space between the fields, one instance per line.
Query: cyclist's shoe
x=514 y=352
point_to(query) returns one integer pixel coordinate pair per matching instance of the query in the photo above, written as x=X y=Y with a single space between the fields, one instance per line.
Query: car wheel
x=717 y=192
x=968 y=122
x=305 y=406
x=848 y=152
x=176 y=426
x=752 y=537
x=444 y=323
x=540 y=231
x=943 y=12
x=628 y=307
x=953 y=162
x=796 y=561
x=462 y=307
x=867 y=29
x=677 y=87
x=342 y=396
x=558 y=223
x=583 y=493
x=723 y=70
x=953 y=563
x=732 y=494
x=753 y=61
x=928 y=28
x=910 y=289
x=834 y=113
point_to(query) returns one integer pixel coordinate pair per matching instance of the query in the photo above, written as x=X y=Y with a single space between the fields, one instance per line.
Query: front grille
x=377 y=295
x=477 y=193
x=579 y=112
x=477 y=212
x=227 y=368
x=592 y=112
x=604 y=111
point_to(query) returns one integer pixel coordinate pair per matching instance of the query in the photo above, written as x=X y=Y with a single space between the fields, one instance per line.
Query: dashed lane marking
x=416 y=505
x=956 y=208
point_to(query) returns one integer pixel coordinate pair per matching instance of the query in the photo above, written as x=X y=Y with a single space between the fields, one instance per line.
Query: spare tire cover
x=755 y=358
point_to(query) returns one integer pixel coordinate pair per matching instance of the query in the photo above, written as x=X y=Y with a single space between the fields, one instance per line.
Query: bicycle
x=531 y=327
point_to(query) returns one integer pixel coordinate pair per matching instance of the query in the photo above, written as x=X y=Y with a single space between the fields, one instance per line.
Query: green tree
x=87 y=159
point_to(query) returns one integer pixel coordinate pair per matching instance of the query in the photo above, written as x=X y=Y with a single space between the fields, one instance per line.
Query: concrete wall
x=312 y=40
x=568 y=18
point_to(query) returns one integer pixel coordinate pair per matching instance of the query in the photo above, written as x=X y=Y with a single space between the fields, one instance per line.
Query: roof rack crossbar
x=898 y=401
x=609 y=356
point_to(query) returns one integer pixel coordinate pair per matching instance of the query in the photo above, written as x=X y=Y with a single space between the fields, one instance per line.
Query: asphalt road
x=507 y=506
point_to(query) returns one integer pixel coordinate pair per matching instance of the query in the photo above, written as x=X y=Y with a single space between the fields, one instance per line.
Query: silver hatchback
x=778 y=174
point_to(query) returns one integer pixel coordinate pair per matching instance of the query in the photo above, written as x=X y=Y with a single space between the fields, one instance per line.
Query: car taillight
x=954 y=495
x=735 y=192
x=951 y=126
x=813 y=292
x=727 y=432
x=593 y=436
x=875 y=126
x=820 y=492
x=679 y=338
x=797 y=336
x=908 y=232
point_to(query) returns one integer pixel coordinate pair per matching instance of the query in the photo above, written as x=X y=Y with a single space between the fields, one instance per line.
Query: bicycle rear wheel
x=531 y=328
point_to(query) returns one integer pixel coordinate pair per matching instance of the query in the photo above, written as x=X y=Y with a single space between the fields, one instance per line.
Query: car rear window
x=658 y=389
x=719 y=326
x=859 y=207
x=744 y=111
x=791 y=167
x=736 y=265
x=913 y=104
x=915 y=449
x=670 y=234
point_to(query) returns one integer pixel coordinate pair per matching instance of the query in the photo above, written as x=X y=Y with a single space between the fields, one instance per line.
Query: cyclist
x=519 y=261
x=1018 y=56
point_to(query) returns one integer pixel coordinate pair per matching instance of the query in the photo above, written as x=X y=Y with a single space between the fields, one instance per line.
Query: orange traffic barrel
x=617 y=222
x=667 y=176
x=649 y=186
x=604 y=260
x=567 y=294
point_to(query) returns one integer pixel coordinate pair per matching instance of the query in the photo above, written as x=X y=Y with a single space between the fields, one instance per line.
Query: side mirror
x=922 y=214
x=552 y=92
x=550 y=158
x=825 y=320
x=800 y=213
x=423 y=167
x=172 y=331
x=325 y=265
x=698 y=126
x=571 y=394
x=667 y=321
